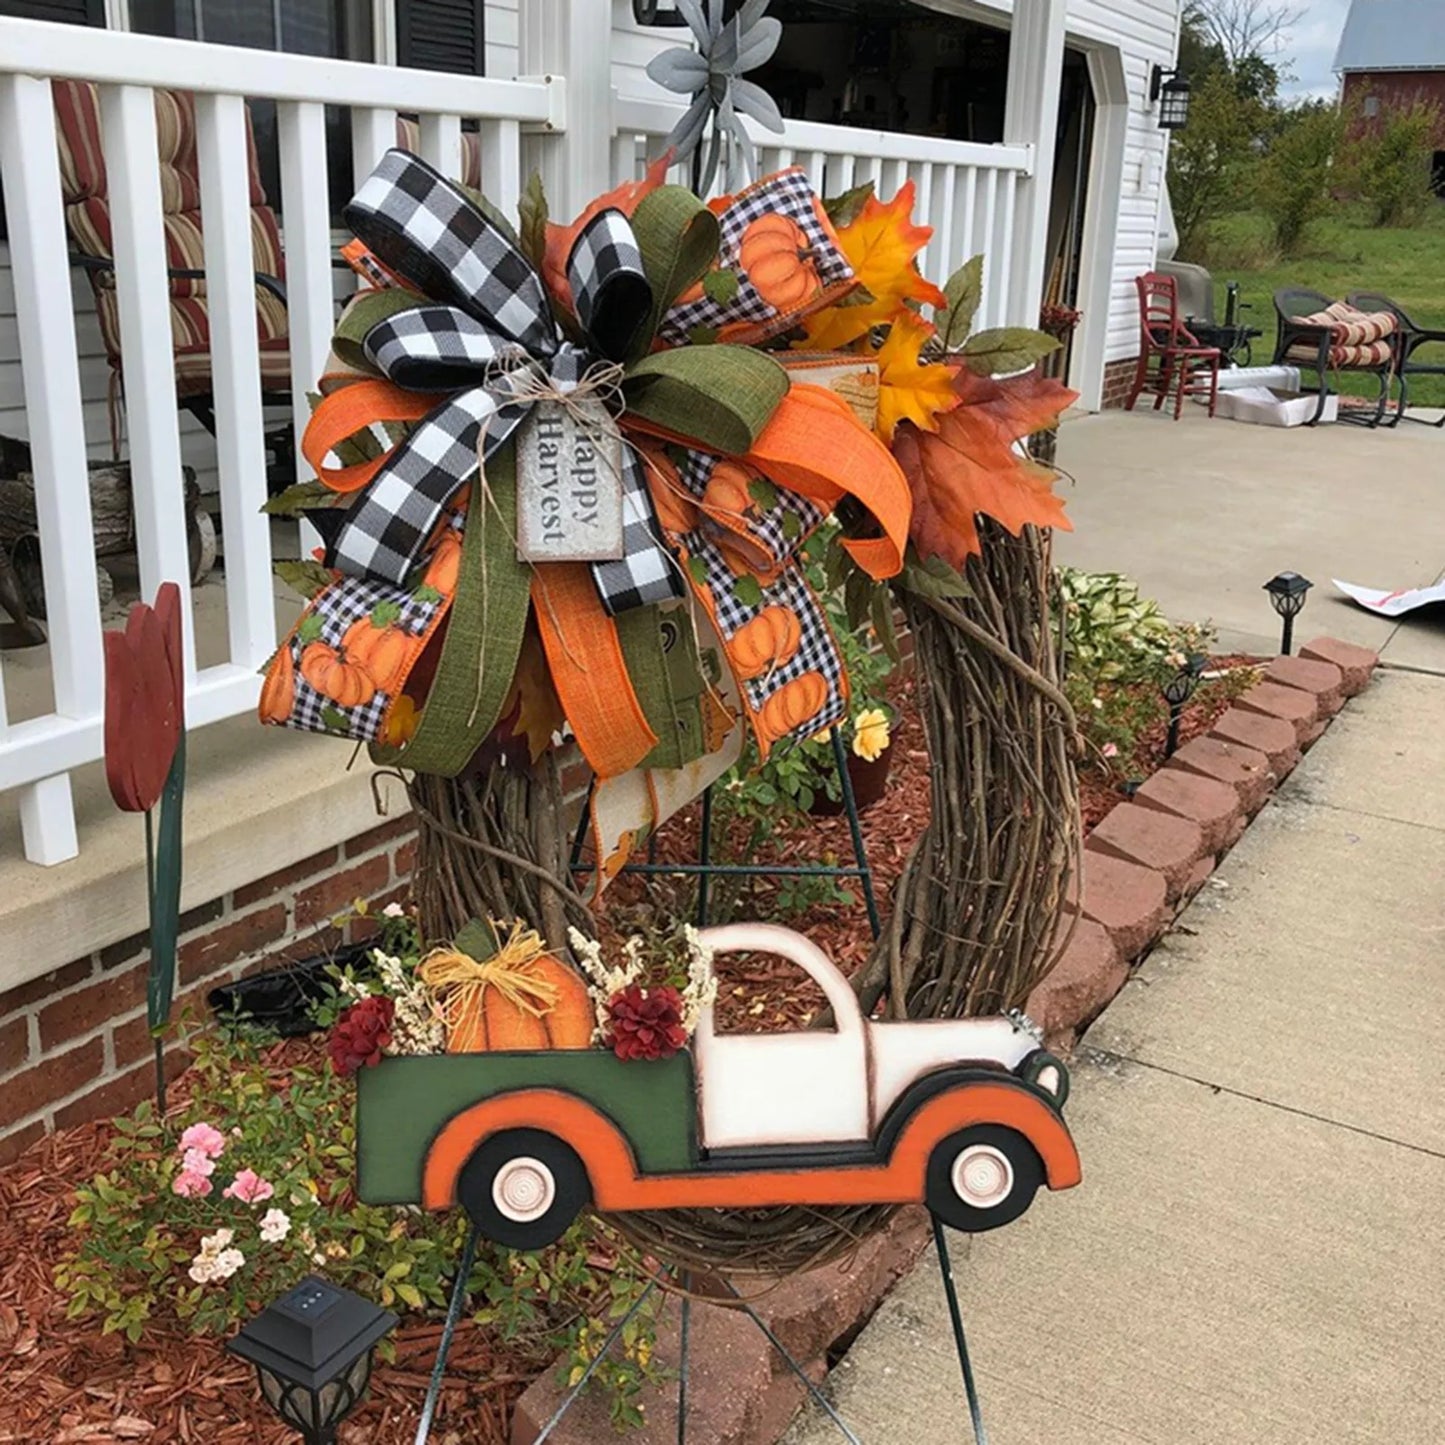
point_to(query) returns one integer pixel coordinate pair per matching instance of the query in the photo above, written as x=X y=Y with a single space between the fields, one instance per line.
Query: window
x=71 y=12
x=1372 y=106
x=340 y=29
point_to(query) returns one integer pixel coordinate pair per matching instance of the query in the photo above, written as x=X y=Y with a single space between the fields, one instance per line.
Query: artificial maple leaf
x=969 y=465
x=910 y=390
x=561 y=239
x=532 y=710
x=880 y=244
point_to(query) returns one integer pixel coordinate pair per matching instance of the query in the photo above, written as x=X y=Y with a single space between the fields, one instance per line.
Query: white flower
x=227 y=1263
x=393 y=910
x=215 y=1243
x=202 y=1269
x=275 y=1225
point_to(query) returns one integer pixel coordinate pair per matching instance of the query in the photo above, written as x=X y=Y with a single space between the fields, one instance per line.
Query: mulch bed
x=62 y=1381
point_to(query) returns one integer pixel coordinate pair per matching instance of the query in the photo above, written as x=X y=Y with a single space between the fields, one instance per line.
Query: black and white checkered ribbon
x=484 y=339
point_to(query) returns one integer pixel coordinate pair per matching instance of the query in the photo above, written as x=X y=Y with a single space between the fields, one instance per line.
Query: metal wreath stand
x=976 y=912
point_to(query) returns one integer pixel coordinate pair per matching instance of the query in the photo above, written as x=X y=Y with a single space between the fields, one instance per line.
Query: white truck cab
x=816 y=1086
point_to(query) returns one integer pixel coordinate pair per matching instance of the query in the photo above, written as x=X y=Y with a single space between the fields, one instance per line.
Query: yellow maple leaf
x=880 y=243
x=908 y=389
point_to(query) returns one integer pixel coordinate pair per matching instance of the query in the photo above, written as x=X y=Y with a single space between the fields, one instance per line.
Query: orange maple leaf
x=561 y=239
x=533 y=710
x=969 y=466
x=880 y=243
x=910 y=390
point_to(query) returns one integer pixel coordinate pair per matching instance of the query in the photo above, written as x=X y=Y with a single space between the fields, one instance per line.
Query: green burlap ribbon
x=484 y=633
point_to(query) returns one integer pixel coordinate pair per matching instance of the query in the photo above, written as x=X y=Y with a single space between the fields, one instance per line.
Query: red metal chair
x=1183 y=365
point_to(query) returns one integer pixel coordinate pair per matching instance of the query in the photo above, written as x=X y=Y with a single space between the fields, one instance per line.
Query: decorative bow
x=482 y=334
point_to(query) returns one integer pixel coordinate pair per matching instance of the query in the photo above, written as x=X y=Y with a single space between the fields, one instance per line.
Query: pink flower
x=190 y=1185
x=195 y=1162
x=205 y=1140
x=1110 y=750
x=248 y=1187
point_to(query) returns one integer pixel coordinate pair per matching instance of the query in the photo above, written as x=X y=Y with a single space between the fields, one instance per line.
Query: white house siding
x=1146 y=33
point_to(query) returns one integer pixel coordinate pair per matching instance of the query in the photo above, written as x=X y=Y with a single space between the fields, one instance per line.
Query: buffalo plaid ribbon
x=484 y=333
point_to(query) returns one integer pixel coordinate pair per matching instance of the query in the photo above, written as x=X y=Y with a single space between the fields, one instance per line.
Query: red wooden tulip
x=144 y=700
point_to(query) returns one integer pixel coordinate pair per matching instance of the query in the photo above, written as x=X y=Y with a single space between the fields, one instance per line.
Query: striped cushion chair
x=408 y=138
x=1326 y=336
x=87 y=214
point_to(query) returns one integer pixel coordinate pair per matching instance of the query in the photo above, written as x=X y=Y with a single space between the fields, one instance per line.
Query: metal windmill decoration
x=712 y=76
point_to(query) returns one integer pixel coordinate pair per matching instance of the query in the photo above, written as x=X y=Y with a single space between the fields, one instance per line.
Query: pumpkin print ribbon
x=480 y=333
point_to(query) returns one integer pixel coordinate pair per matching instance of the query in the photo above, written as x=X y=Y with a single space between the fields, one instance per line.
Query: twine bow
x=481 y=334
x=460 y=982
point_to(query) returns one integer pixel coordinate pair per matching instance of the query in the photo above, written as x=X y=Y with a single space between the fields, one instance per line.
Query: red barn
x=1392 y=56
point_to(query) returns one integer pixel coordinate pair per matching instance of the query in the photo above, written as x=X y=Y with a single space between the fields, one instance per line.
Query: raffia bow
x=460 y=982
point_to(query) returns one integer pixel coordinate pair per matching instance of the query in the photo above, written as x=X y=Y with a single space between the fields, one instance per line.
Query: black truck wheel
x=982 y=1177
x=523 y=1188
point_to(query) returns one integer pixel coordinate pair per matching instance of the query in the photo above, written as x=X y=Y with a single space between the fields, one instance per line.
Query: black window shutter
x=72 y=12
x=442 y=35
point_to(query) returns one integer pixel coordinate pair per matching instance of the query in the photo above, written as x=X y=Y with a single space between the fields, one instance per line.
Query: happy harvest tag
x=569 y=484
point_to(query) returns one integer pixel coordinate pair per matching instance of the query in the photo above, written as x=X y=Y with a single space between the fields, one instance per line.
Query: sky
x=1308 y=48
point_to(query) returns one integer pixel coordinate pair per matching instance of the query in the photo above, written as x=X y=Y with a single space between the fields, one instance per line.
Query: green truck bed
x=403 y=1103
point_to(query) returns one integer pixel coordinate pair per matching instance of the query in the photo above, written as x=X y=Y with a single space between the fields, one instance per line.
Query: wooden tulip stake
x=145 y=765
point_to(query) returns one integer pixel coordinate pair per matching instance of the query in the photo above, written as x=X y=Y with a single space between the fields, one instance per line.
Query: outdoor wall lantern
x=657 y=12
x=1287 y=595
x=1171 y=89
x=1177 y=691
x=312 y=1351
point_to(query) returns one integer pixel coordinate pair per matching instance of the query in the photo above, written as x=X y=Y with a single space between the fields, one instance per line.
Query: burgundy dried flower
x=645 y=1023
x=360 y=1034
x=145 y=700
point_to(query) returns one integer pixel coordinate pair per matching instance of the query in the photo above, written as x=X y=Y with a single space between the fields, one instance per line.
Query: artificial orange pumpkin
x=727 y=490
x=382 y=651
x=445 y=565
x=770 y=638
x=489 y=1021
x=278 y=692
x=332 y=675
x=779 y=262
x=793 y=704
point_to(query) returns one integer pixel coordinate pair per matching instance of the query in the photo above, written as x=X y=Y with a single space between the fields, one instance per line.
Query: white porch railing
x=37 y=753
x=967 y=192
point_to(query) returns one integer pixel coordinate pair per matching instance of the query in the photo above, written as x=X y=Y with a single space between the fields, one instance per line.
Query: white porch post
x=572 y=39
x=1031 y=117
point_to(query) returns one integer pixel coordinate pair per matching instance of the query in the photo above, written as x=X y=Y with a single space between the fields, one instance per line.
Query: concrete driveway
x=1203 y=512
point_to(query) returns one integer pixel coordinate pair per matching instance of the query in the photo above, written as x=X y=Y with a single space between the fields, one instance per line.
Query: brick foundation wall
x=1118 y=382
x=74 y=1044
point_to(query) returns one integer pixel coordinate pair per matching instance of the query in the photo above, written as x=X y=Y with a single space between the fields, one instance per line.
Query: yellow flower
x=870 y=733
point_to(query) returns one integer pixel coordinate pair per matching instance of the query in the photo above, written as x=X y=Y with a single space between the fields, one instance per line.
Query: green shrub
x=211 y=1259
x=1391 y=165
x=1293 y=177
x=1119 y=649
x=1210 y=160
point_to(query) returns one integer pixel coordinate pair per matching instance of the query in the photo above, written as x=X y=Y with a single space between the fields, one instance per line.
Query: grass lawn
x=1338 y=254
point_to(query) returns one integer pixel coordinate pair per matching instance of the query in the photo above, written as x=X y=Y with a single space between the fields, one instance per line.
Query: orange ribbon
x=588 y=669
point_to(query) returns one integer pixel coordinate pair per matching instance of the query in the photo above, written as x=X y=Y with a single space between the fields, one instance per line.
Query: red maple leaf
x=970 y=466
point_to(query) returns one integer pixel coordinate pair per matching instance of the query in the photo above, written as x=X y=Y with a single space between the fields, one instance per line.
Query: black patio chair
x=1414 y=336
x=1312 y=336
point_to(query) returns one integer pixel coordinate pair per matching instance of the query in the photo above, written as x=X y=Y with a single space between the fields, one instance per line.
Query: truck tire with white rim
x=982 y=1177
x=523 y=1188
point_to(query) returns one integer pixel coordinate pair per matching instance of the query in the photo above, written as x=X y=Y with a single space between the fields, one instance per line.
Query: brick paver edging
x=1149 y=856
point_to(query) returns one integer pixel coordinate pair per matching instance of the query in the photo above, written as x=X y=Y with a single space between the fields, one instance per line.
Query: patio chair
x=1170 y=355
x=87 y=214
x=1316 y=334
x=1412 y=337
x=1196 y=300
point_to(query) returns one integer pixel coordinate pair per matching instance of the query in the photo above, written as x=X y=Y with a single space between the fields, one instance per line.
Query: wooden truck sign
x=964 y=1116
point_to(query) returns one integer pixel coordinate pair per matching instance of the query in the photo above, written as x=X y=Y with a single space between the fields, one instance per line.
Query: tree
x=1391 y=164
x=1243 y=29
x=1210 y=159
x=1293 y=177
